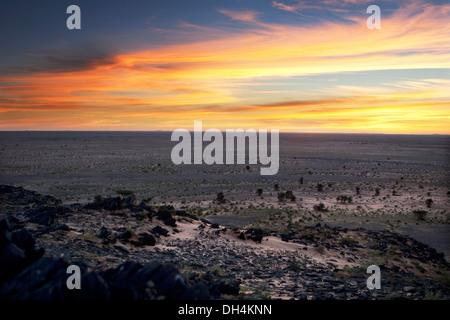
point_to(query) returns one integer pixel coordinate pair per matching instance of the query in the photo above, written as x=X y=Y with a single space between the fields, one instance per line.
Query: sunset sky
x=297 y=66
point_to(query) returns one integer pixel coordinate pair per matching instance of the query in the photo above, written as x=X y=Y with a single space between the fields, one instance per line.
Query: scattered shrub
x=344 y=199
x=320 y=207
x=420 y=214
x=220 y=197
x=124 y=192
x=259 y=192
x=348 y=241
x=320 y=249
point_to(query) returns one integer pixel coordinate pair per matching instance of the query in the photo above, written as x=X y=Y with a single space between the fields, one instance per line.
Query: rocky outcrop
x=25 y=275
x=209 y=262
x=17 y=250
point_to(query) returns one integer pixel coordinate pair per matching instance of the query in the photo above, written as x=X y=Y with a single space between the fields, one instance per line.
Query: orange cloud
x=169 y=87
x=248 y=16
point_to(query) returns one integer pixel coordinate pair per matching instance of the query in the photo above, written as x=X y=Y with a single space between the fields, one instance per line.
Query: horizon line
x=268 y=131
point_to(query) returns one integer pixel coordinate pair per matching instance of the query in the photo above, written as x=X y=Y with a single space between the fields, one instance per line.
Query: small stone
x=408 y=288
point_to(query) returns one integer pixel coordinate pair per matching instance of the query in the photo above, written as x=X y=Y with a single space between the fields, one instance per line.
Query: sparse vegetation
x=260 y=292
x=320 y=249
x=220 y=197
x=217 y=269
x=290 y=195
x=420 y=214
x=429 y=295
x=124 y=192
x=320 y=187
x=286 y=195
x=419 y=267
x=281 y=196
x=344 y=199
x=444 y=278
x=259 y=192
x=348 y=241
x=429 y=202
x=348 y=272
x=320 y=207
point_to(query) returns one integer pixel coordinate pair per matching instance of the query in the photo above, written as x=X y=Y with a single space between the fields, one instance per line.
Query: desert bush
x=429 y=295
x=320 y=187
x=220 y=197
x=420 y=214
x=444 y=279
x=259 y=191
x=218 y=270
x=124 y=192
x=320 y=249
x=429 y=202
x=320 y=207
x=348 y=241
x=344 y=199
x=290 y=195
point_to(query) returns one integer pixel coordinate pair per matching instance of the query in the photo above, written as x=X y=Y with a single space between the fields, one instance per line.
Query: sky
x=292 y=65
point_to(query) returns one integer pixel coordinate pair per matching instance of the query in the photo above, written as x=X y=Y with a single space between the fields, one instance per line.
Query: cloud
x=69 y=59
x=285 y=7
x=171 y=85
x=75 y=62
x=323 y=5
x=246 y=16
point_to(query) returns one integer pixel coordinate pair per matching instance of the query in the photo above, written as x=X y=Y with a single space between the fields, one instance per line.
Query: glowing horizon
x=330 y=76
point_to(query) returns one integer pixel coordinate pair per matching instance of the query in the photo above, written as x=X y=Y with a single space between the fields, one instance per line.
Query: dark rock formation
x=160 y=230
x=254 y=234
x=24 y=275
x=17 y=250
x=166 y=217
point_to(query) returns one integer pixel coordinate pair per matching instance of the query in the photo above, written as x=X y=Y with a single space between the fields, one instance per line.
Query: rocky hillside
x=128 y=249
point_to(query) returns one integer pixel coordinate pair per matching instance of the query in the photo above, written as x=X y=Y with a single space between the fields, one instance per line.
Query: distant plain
x=406 y=169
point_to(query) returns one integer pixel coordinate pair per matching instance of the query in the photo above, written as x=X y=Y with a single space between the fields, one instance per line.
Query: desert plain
x=339 y=203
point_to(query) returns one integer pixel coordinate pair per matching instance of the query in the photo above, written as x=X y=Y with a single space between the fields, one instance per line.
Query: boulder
x=17 y=250
x=160 y=230
x=144 y=239
x=103 y=233
x=166 y=217
x=112 y=203
x=254 y=234
x=43 y=215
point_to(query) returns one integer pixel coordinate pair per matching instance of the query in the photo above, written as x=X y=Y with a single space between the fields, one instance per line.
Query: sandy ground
x=406 y=170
